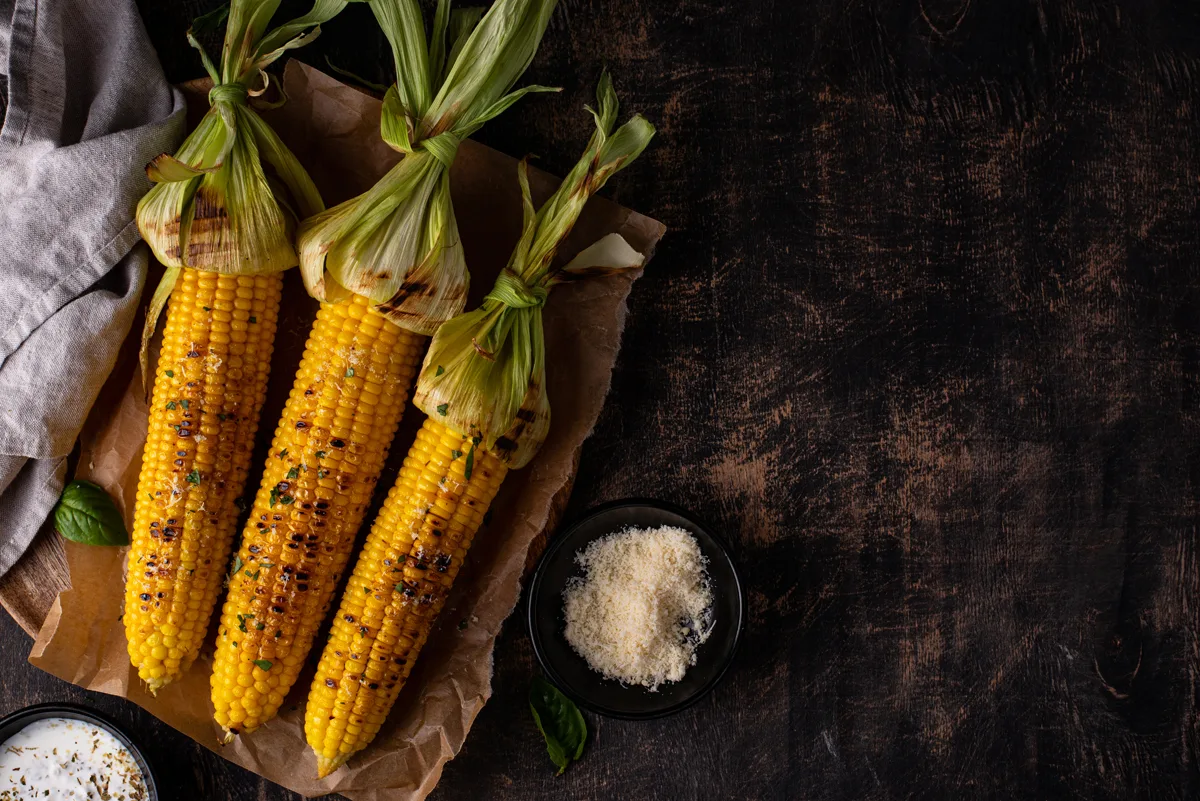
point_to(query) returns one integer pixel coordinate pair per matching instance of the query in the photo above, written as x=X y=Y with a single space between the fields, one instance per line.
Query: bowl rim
x=558 y=542
x=64 y=709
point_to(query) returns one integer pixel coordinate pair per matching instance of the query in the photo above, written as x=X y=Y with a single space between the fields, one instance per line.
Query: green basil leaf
x=85 y=513
x=559 y=721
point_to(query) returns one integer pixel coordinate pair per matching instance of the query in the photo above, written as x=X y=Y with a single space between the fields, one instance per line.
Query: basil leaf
x=559 y=721
x=85 y=513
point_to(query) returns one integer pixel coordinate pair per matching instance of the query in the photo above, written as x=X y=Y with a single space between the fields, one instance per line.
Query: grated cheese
x=643 y=606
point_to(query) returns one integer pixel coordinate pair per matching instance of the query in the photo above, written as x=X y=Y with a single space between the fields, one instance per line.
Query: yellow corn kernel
x=208 y=391
x=321 y=470
x=400 y=583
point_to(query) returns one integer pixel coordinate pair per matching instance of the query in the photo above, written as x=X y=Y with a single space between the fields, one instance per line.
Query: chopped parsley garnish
x=237 y=565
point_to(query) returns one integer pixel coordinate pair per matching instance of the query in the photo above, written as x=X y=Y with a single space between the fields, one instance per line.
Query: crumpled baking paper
x=334 y=130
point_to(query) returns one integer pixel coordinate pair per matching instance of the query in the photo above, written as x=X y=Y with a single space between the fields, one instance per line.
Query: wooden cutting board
x=28 y=590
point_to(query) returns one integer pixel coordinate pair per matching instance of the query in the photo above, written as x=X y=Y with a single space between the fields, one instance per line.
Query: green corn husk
x=230 y=198
x=398 y=243
x=485 y=373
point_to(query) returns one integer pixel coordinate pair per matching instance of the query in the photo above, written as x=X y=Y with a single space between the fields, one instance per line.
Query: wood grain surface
x=923 y=345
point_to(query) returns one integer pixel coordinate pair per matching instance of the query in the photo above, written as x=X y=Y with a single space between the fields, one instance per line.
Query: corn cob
x=399 y=585
x=210 y=386
x=386 y=278
x=482 y=386
x=223 y=231
x=322 y=467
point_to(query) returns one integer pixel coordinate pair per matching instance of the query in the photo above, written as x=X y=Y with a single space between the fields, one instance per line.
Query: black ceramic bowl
x=14 y=722
x=571 y=673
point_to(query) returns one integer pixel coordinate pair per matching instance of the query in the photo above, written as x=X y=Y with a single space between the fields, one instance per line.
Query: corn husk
x=485 y=372
x=398 y=243
x=230 y=198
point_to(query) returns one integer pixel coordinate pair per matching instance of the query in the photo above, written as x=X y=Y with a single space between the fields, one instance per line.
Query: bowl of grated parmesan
x=636 y=610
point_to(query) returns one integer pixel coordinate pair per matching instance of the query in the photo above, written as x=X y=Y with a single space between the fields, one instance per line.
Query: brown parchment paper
x=333 y=129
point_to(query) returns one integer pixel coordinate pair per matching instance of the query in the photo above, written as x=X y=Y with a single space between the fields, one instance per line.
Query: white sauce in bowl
x=64 y=758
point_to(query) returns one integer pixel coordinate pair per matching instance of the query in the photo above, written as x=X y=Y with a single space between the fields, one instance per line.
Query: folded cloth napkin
x=85 y=105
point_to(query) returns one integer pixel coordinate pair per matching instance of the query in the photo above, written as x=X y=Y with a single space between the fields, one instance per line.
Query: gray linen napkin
x=85 y=107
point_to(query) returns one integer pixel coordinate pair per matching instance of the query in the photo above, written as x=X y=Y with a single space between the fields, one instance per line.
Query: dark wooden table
x=923 y=344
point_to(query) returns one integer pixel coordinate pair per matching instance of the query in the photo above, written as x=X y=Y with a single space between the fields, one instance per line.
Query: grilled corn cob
x=322 y=467
x=482 y=387
x=399 y=585
x=211 y=381
x=365 y=348
x=223 y=233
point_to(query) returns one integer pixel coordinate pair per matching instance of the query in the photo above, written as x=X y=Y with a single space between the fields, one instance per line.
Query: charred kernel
x=337 y=443
x=330 y=683
x=145 y=596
